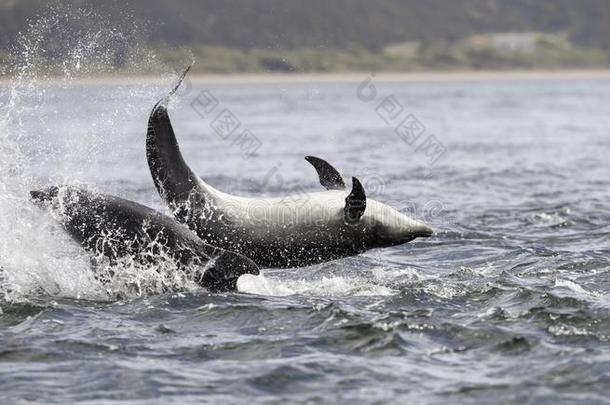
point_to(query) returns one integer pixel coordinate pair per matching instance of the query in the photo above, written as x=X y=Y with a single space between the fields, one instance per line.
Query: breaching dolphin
x=274 y=232
x=116 y=228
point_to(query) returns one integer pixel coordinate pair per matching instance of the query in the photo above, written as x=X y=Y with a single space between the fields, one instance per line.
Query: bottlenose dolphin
x=274 y=232
x=115 y=228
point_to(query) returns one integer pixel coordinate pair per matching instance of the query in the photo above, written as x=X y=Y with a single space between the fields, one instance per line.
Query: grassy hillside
x=332 y=23
x=335 y=35
x=437 y=58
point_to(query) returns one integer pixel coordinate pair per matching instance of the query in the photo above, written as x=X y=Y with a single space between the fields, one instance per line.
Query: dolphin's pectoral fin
x=355 y=203
x=223 y=274
x=329 y=176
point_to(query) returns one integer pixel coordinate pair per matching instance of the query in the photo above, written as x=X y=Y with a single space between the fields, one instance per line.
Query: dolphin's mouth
x=424 y=232
x=420 y=231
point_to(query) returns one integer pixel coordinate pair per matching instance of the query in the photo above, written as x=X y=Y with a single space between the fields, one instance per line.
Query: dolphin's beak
x=39 y=197
x=42 y=197
x=421 y=230
x=424 y=232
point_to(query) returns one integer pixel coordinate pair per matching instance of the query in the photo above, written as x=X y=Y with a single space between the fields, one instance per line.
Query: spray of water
x=45 y=141
x=59 y=48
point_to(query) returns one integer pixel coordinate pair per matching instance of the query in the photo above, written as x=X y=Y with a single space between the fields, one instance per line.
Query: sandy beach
x=351 y=77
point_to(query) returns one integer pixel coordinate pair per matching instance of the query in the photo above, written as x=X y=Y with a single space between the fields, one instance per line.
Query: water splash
x=330 y=281
x=60 y=48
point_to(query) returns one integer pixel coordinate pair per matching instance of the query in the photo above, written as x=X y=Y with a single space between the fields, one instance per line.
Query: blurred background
x=509 y=301
x=235 y=36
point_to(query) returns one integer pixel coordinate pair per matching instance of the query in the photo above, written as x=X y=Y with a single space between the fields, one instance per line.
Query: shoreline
x=349 y=77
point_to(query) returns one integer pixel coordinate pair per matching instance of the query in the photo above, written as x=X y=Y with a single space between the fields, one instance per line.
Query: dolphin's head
x=378 y=223
x=387 y=226
x=66 y=201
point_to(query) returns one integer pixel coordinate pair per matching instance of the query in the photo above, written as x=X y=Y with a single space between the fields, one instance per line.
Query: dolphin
x=111 y=227
x=284 y=232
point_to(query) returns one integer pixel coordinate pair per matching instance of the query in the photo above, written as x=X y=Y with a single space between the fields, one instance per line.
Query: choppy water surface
x=508 y=301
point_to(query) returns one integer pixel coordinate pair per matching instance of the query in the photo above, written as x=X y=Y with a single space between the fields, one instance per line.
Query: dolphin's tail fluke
x=165 y=100
x=176 y=183
x=180 y=80
x=173 y=178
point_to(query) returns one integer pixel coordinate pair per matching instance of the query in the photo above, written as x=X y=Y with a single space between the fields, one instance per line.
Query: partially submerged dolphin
x=116 y=228
x=274 y=232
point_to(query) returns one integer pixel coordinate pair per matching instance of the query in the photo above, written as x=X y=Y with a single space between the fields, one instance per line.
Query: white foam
x=36 y=255
x=601 y=299
x=325 y=286
x=574 y=286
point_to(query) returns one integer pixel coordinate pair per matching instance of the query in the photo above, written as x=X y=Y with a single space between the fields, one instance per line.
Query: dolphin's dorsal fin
x=329 y=176
x=355 y=203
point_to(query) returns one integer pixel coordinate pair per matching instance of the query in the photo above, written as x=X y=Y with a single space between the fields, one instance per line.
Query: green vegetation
x=3 y=59
x=432 y=57
x=334 y=24
x=233 y=36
